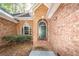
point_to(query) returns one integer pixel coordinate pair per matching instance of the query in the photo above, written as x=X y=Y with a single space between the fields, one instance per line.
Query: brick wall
x=6 y=28
x=64 y=30
x=22 y=23
x=39 y=12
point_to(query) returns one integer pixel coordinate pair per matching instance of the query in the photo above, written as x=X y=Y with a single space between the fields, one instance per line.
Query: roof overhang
x=52 y=7
x=7 y=16
x=24 y=18
x=36 y=5
x=52 y=10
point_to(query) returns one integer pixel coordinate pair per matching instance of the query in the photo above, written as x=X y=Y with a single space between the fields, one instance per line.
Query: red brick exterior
x=7 y=28
x=39 y=12
x=21 y=23
x=64 y=30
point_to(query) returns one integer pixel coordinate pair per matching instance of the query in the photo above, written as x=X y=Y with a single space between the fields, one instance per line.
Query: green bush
x=18 y=38
x=9 y=38
x=23 y=38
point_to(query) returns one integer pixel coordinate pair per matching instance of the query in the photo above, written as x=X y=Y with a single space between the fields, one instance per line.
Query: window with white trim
x=26 y=30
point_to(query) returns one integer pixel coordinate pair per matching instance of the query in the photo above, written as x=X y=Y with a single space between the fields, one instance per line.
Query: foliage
x=21 y=38
x=9 y=38
x=18 y=38
x=6 y=6
x=13 y=8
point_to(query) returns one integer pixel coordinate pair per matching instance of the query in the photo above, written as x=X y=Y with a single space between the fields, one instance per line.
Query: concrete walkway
x=42 y=53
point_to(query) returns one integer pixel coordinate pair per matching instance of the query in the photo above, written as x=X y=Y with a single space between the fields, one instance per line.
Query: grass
x=16 y=49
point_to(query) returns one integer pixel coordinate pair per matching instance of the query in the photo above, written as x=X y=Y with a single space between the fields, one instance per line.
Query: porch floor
x=42 y=53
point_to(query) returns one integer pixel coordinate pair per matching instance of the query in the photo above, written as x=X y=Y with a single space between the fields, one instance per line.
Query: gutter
x=7 y=16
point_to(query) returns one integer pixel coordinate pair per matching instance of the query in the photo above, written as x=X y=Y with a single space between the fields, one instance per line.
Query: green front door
x=42 y=32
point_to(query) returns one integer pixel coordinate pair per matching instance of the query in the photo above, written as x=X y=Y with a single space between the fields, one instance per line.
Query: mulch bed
x=16 y=49
x=40 y=48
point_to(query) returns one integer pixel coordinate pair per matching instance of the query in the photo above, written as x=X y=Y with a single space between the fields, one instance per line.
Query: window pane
x=26 y=30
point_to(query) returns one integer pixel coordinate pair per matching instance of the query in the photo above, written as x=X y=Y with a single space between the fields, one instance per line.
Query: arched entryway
x=42 y=29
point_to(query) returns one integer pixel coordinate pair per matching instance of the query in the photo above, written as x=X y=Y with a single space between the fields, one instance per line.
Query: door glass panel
x=42 y=31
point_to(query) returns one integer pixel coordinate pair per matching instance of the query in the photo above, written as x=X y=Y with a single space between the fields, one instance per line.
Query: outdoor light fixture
x=55 y=18
x=42 y=17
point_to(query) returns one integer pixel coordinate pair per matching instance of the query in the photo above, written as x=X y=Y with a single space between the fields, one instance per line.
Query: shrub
x=22 y=38
x=9 y=38
x=29 y=38
x=18 y=38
